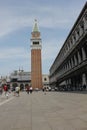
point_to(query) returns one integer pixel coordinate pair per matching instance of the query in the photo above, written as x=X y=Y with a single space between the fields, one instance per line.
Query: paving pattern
x=40 y=111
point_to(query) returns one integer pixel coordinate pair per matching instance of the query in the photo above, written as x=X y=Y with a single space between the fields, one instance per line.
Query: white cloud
x=13 y=58
x=51 y=49
x=12 y=53
x=19 y=17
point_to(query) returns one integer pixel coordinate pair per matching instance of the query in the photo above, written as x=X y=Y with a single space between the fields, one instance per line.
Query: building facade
x=20 y=78
x=69 y=70
x=45 y=80
x=36 y=61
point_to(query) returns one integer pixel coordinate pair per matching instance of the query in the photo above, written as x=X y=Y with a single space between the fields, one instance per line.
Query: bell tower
x=36 y=62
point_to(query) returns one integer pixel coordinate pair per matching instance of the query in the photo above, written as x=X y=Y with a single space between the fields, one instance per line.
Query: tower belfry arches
x=36 y=60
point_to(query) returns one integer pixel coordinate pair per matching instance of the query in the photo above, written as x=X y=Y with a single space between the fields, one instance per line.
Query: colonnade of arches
x=21 y=85
x=75 y=82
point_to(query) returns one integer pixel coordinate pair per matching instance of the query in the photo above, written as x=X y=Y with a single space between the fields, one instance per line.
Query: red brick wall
x=36 y=68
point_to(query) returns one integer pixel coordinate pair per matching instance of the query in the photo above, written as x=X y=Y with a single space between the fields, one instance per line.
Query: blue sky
x=55 y=19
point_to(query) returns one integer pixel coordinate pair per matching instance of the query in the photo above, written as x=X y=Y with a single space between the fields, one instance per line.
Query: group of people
x=16 y=91
x=5 y=88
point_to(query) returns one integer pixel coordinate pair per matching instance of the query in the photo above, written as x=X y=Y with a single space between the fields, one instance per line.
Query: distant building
x=23 y=78
x=3 y=80
x=45 y=80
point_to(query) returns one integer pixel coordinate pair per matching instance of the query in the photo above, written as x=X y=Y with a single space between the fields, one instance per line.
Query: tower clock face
x=35 y=35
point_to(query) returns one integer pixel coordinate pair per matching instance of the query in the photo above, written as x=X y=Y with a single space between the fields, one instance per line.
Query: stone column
x=69 y=65
x=79 y=57
x=83 y=54
x=85 y=22
x=66 y=84
x=84 y=79
x=77 y=37
x=75 y=60
x=69 y=81
x=66 y=67
x=73 y=40
x=72 y=63
x=81 y=30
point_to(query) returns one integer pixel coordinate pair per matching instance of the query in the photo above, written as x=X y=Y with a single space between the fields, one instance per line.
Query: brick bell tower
x=36 y=63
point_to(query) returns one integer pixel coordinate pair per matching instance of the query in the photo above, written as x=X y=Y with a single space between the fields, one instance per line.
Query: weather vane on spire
x=35 y=28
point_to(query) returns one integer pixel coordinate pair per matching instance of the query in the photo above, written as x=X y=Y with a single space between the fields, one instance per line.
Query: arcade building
x=69 y=69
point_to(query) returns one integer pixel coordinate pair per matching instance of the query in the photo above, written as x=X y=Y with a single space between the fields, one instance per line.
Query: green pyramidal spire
x=35 y=29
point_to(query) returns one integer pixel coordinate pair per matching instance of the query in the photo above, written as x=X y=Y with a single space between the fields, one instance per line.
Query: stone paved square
x=40 y=111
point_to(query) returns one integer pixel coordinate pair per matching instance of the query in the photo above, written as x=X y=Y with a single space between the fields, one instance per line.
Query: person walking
x=1 y=90
x=28 y=89
x=31 y=89
x=17 y=90
x=5 y=89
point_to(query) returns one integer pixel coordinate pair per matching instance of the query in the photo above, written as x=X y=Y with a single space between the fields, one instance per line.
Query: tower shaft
x=36 y=72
